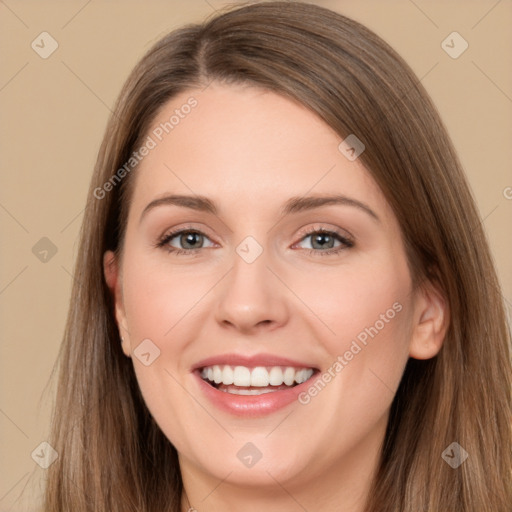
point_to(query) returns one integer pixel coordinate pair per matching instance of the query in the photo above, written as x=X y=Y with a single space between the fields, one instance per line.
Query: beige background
x=54 y=113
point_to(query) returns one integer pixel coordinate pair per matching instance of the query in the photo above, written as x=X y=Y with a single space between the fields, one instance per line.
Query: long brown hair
x=112 y=455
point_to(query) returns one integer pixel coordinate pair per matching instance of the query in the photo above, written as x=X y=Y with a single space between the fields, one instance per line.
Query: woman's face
x=268 y=284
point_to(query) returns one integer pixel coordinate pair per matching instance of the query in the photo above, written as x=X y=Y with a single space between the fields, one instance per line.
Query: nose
x=251 y=298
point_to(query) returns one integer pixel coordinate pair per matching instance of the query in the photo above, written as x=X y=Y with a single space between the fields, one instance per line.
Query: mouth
x=251 y=386
x=254 y=381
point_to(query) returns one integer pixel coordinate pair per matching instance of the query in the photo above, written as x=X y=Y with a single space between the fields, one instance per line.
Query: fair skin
x=249 y=151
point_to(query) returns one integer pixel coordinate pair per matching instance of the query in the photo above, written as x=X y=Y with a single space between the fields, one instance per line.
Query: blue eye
x=185 y=237
x=192 y=241
x=325 y=240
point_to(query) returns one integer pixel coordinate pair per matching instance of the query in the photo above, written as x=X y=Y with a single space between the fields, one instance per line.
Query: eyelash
x=346 y=243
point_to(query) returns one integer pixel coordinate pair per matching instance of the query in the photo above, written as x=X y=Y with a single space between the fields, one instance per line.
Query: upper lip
x=251 y=361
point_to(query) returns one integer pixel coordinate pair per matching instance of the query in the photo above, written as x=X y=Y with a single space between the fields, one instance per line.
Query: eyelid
x=342 y=233
x=186 y=227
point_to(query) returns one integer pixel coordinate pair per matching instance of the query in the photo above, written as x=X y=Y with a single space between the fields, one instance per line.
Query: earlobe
x=113 y=280
x=431 y=323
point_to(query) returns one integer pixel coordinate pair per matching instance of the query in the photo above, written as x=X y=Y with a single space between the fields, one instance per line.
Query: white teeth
x=302 y=376
x=289 y=376
x=241 y=376
x=217 y=374
x=259 y=376
x=227 y=375
x=276 y=376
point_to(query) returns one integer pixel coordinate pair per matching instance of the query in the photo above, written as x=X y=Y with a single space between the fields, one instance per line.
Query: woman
x=246 y=372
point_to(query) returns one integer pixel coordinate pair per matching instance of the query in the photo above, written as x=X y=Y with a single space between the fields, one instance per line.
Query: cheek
x=368 y=312
x=157 y=307
x=363 y=301
x=158 y=298
x=162 y=305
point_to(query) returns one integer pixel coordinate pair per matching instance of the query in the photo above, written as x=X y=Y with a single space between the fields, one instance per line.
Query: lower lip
x=251 y=405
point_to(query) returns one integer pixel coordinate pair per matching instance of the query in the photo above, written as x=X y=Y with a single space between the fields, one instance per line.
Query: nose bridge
x=251 y=295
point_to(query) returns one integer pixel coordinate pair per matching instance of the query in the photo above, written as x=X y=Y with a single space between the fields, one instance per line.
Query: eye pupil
x=190 y=238
x=318 y=237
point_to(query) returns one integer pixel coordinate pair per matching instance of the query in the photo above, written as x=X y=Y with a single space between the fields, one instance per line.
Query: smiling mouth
x=242 y=380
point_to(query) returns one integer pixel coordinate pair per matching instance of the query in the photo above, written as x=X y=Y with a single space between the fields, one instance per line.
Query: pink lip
x=251 y=361
x=250 y=405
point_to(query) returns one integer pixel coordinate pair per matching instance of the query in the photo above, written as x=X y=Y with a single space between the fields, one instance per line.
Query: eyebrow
x=292 y=205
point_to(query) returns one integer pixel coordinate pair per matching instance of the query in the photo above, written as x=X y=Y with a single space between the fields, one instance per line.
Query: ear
x=430 y=322
x=111 y=270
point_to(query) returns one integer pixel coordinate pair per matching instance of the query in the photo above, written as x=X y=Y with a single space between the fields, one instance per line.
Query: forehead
x=247 y=147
